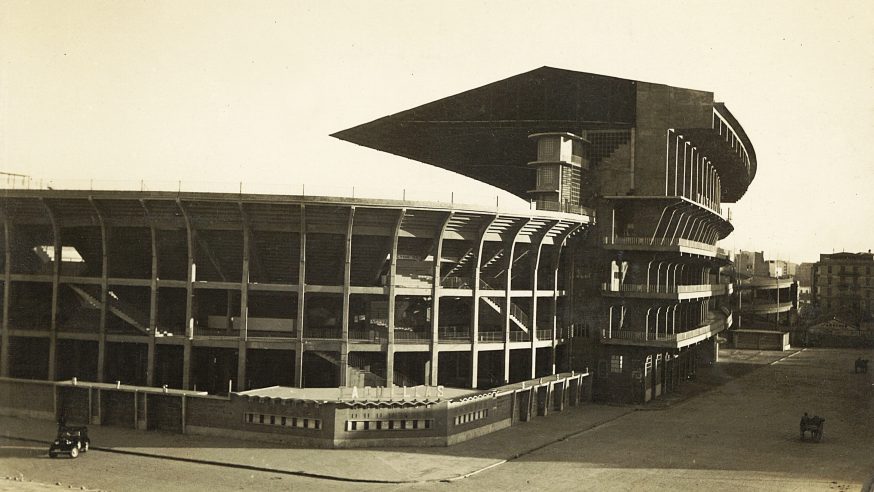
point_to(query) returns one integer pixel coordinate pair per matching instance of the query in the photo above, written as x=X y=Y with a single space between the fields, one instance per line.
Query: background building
x=843 y=285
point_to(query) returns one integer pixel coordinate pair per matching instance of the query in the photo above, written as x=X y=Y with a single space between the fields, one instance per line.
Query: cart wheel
x=87 y=445
x=74 y=453
x=818 y=436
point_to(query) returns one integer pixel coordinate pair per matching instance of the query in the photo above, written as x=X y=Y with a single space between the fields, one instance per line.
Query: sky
x=212 y=94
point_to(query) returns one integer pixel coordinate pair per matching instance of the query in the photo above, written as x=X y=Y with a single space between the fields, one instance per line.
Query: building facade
x=843 y=284
x=654 y=162
x=227 y=292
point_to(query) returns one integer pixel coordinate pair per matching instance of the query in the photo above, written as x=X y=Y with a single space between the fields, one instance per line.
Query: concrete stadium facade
x=650 y=289
x=295 y=291
x=223 y=292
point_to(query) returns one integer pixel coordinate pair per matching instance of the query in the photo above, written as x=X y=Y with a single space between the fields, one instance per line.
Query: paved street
x=734 y=428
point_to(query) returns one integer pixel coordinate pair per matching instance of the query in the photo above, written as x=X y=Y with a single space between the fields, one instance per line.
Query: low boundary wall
x=297 y=422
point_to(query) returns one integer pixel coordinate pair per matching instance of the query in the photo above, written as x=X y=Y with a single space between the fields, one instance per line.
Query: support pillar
x=301 y=299
x=242 y=384
x=7 y=297
x=186 y=364
x=189 y=299
x=153 y=306
x=390 y=346
x=56 y=278
x=559 y=244
x=537 y=244
x=510 y=244
x=104 y=293
x=474 y=309
x=433 y=366
x=347 y=288
x=190 y=276
x=715 y=350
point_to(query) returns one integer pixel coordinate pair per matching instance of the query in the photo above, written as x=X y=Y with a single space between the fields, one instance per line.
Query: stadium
x=614 y=266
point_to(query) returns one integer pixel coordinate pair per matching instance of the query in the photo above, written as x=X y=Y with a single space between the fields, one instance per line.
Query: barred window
x=615 y=363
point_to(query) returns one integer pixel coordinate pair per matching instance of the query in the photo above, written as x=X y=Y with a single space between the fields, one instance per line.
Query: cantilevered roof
x=482 y=133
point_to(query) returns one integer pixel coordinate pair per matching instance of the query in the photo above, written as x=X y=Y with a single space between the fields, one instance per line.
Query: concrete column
x=510 y=244
x=189 y=298
x=392 y=273
x=186 y=364
x=715 y=350
x=242 y=385
x=559 y=243
x=56 y=278
x=153 y=308
x=347 y=286
x=474 y=309
x=7 y=291
x=537 y=245
x=433 y=369
x=104 y=293
x=301 y=298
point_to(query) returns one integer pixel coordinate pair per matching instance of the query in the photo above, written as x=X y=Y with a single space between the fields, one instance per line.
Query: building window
x=282 y=421
x=547 y=177
x=388 y=425
x=615 y=363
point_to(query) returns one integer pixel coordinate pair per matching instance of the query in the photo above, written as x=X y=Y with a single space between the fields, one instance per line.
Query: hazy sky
x=249 y=91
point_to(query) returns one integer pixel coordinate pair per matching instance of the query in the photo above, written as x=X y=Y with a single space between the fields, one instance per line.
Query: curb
x=334 y=477
x=242 y=467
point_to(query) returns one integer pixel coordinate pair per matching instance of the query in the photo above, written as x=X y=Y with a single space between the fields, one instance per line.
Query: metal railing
x=367 y=334
x=455 y=199
x=565 y=207
x=326 y=332
x=648 y=241
x=498 y=336
x=544 y=334
x=713 y=324
x=716 y=289
x=412 y=334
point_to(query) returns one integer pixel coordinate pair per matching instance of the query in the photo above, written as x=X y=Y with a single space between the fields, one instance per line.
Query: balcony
x=498 y=336
x=766 y=307
x=678 y=245
x=565 y=207
x=412 y=334
x=716 y=323
x=675 y=292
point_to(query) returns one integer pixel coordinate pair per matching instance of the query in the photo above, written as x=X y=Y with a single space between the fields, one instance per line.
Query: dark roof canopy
x=482 y=133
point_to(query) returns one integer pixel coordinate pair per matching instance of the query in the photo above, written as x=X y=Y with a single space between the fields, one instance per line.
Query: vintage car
x=70 y=440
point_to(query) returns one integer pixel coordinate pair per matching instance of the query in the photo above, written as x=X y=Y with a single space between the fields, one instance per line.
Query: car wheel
x=52 y=455
x=74 y=453
x=87 y=445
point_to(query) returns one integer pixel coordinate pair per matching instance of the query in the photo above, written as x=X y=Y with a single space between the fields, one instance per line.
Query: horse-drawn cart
x=812 y=425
